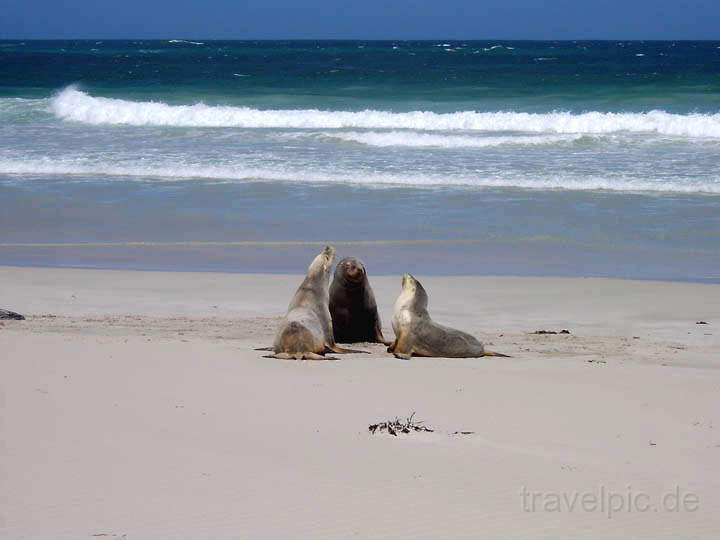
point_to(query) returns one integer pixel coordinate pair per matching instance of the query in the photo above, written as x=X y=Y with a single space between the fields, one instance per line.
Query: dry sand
x=133 y=406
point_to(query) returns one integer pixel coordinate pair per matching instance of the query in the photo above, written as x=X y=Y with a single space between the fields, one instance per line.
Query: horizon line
x=354 y=39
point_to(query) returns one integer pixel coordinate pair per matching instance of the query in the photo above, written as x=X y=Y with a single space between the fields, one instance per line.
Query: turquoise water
x=563 y=158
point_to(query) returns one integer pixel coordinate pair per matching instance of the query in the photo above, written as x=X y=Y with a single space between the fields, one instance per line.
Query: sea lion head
x=413 y=293
x=322 y=264
x=351 y=270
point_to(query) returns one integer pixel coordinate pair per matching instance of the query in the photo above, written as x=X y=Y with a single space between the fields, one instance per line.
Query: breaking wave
x=233 y=172
x=74 y=105
x=414 y=139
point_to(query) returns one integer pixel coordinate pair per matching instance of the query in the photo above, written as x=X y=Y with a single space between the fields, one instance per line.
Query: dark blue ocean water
x=573 y=158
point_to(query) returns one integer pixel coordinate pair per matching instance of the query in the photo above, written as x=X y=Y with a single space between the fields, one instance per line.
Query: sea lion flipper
x=299 y=356
x=278 y=356
x=391 y=346
x=403 y=356
x=265 y=349
x=314 y=356
x=341 y=350
x=379 y=338
x=493 y=353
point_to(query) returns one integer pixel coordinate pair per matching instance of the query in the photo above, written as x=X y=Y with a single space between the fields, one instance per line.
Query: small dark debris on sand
x=10 y=315
x=550 y=332
x=463 y=433
x=702 y=322
x=393 y=427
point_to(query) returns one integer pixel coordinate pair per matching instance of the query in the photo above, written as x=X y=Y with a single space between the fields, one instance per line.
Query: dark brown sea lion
x=353 y=308
x=306 y=331
x=417 y=334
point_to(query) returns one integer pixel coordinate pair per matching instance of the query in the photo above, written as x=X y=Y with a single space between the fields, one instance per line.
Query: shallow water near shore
x=271 y=227
x=545 y=158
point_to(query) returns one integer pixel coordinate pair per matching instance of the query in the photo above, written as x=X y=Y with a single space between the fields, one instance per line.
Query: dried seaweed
x=11 y=315
x=393 y=427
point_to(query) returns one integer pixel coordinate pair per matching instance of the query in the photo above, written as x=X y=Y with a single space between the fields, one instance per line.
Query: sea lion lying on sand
x=417 y=334
x=306 y=331
x=353 y=308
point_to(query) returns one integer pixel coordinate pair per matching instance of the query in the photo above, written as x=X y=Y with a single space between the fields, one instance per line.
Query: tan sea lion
x=353 y=308
x=306 y=331
x=417 y=334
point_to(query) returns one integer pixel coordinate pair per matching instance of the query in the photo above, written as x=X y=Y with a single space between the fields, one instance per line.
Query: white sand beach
x=133 y=406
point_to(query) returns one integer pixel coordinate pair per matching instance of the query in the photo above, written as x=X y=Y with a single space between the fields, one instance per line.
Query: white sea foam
x=18 y=109
x=414 y=139
x=233 y=172
x=186 y=41
x=74 y=105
